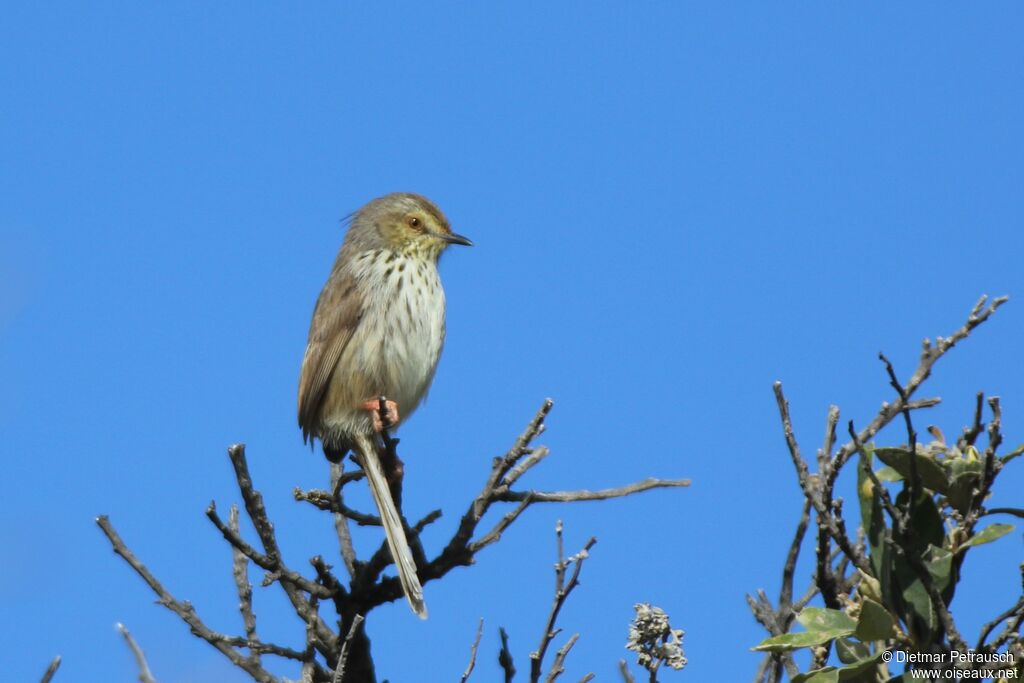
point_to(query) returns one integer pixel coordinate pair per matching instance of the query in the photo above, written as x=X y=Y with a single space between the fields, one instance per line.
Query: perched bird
x=377 y=330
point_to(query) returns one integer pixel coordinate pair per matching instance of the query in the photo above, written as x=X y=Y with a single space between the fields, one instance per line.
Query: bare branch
x=472 y=652
x=271 y=563
x=293 y=583
x=915 y=476
x=581 y=495
x=368 y=586
x=505 y=657
x=184 y=610
x=462 y=547
x=331 y=503
x=558 y=665
x=533 y=456
x=339 y=671
x=929 y=356
x=992 y=464
x=1016 y=611
x=812 y=486
x=495 y=533
x=562 y=591
x=50 y=670
x=145 y=675
x=310 y=667
x=786 y=592
x=240 y=572
x=970 y=434
x=348 y=552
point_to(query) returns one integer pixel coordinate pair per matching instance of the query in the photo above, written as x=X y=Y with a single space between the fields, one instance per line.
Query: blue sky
x=674 y=205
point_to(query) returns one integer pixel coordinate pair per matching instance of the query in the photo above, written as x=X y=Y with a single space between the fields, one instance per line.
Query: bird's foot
x=382 y=419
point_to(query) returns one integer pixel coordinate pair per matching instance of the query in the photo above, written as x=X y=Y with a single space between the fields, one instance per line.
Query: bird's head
x=408 y=223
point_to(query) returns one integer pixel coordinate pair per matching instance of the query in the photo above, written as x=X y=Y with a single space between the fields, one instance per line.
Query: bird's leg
x=383 y=417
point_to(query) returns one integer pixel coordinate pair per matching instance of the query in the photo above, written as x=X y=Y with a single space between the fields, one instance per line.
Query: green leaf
x=863 y=670
x=875 y=622
x=939 y=562
x=792 y=641
x=958 y=467
x=926 y=521
x=827 y=675
x=888 y=474
x=933 y=476
x=964 y=475
x=869 y=587
x=920 y=615
x=850 y=651
x=990 y=533
x=823 y=625
x=821 y=619
x=919 y=612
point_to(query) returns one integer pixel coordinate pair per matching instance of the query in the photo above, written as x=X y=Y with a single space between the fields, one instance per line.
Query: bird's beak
x=452 y=238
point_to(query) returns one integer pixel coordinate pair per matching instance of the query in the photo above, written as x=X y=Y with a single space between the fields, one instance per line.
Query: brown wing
x=337 y=313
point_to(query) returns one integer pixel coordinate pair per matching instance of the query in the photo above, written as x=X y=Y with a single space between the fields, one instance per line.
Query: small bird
x=377 y=331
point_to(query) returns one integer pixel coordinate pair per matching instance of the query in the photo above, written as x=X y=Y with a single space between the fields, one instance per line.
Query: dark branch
x=339 y=671
x=50 y=670
x=505 y=657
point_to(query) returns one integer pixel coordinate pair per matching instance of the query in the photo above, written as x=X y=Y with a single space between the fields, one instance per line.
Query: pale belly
x=395 y=348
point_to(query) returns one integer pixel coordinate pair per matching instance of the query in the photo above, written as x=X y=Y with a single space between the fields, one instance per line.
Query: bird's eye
x=414 y=222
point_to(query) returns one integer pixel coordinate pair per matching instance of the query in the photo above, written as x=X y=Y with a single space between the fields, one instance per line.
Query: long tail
x=393 y=529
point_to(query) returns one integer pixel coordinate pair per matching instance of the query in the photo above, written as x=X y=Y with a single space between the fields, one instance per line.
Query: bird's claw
x=390 y=413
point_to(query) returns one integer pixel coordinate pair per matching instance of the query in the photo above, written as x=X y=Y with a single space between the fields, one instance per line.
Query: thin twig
x=915 y=476
x=240 y=572
x=494 y=534
x=309 y=662
x=270 y=562
x=533 y=456
x=50 y=670
x=472 y=652
x=970 y=434
x=991 y=465
x=786 y=592
x=558 y=665
x=581 y=495
x=562 y=591
x=145 y=675
x=348 y=552
x=1014 y=611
